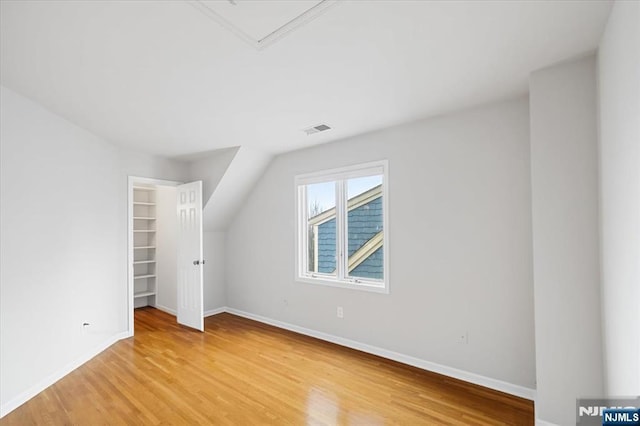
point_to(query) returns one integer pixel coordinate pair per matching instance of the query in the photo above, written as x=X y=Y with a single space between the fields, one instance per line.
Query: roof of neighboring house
x=365 y=251
x=371 y=267
x=352 y=203
x=365 y=236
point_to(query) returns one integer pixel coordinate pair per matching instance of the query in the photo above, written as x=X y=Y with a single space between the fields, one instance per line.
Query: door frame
x=131 y=182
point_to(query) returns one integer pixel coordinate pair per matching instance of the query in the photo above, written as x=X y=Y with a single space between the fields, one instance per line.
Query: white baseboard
x=206 y=313
x=167 y=310
x=466 y=376
x=34 y=390
x=544 y=423
x=215 y=311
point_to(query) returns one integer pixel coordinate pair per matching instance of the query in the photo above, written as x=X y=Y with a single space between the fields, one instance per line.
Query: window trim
x=380 y=167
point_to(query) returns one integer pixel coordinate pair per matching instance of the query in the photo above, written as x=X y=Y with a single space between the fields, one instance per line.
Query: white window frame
x=341 y=278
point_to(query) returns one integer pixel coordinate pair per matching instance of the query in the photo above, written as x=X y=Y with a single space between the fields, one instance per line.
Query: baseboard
x=17 y=401
x=215 y=311
x=167 y=310
x=466 y=376
x=206 y=313
x=544 y=423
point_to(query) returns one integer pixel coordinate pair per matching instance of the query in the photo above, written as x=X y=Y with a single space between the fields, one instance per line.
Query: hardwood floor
x=243 y=372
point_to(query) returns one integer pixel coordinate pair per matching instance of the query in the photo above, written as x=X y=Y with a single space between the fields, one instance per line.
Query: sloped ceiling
x=161 y=77
x=210 y=169
x=238 y=181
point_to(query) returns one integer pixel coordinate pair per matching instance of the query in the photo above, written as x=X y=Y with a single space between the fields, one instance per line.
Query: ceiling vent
x=316 y=129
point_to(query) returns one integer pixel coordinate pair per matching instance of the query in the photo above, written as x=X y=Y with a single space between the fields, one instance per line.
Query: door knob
x=196 y=262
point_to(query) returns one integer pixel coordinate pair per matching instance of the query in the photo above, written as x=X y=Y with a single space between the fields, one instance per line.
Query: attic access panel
x=261 y=23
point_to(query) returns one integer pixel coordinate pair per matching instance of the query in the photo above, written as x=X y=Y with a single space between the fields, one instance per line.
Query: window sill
x=382 y=288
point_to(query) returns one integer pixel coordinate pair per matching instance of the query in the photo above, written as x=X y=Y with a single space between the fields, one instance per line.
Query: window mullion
x=338 y=231
x=303 y=229
x=341 y=205
x=345 y=230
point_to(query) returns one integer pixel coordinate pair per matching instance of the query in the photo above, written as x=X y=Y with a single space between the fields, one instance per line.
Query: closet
x=165 y=249
x=144 y=246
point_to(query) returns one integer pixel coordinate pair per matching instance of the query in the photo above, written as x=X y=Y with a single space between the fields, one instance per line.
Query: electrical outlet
x=340 y=312
x=463 y=338
x=85 y=327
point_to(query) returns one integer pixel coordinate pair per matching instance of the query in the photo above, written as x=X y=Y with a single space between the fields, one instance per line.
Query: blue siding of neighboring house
x=327 y=247
x=363 y=223
x=372 y=267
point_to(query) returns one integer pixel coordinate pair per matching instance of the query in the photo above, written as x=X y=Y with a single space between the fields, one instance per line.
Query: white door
x=190 y=299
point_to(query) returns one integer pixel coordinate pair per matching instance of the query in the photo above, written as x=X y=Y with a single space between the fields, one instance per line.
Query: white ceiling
x=161 y=77
x=255 y=21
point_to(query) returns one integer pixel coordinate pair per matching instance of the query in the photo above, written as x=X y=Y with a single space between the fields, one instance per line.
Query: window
x=342 y=229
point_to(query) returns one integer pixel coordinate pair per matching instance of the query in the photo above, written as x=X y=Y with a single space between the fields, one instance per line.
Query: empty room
x=319 y=212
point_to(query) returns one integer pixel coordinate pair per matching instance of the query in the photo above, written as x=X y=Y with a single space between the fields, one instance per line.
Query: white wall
x=210 y=168
x=564 y=170
x=619 y=84
x=460 y=245
x=228 y=176
x=167 y=248
x=64 y=243
x=215 y=293
x=244 y=166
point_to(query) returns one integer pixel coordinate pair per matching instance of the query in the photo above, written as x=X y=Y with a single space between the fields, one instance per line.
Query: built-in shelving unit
x=138 y=277
x=144 y=244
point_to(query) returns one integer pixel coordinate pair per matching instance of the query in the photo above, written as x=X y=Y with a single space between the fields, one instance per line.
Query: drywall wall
x=619 y=89
x=167 y=248
x=564 y=178
x=459 y=241
x=233 y=186
x=64 y=243
x=210 y=167
x=227 y=176
x=215 y=293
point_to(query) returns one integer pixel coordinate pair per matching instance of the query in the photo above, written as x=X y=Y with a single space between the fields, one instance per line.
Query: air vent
x=316 y=129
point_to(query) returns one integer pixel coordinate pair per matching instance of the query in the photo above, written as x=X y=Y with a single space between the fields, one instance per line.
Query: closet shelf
x=145 y=208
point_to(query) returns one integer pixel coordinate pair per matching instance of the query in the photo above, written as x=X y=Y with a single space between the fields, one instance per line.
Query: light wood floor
x=243 y=372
